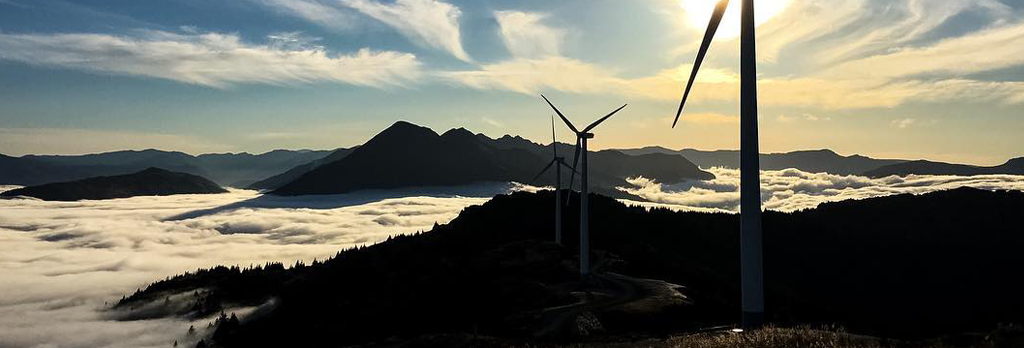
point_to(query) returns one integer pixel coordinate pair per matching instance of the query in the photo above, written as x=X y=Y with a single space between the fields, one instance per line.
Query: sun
x=699 y=11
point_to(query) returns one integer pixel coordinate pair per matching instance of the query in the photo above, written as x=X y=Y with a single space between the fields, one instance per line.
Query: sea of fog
x=62 y=263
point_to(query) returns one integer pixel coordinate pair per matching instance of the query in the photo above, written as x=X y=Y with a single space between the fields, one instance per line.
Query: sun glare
x=698 y=12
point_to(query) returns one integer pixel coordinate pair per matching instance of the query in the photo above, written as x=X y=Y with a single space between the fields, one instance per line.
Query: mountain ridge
x=148 y=182
x=458 y=156
x=223 y=168
x=1013 y=166
x=814 y=161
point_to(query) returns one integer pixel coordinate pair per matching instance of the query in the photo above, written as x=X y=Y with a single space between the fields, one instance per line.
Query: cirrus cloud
x=430 y=23
x=209 y=59
x=525 y=36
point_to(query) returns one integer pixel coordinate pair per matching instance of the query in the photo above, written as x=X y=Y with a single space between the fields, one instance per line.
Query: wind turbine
x=752 y=277
x=558 y=181
x=581 y=146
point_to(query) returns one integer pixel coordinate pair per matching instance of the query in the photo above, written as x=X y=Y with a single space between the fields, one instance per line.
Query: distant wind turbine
x=581 y=147
x=752 y=277
x=558 y=181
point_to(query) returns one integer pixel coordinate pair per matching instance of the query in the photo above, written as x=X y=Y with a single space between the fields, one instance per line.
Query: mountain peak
x=154 y=170
x=458 y=132
x=403 y=130
x=1014 y=163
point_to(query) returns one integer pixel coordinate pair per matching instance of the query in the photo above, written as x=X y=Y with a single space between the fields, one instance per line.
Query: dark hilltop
x=407 y=155
x=937 y=269
x=1014 y=166
x=149 y=182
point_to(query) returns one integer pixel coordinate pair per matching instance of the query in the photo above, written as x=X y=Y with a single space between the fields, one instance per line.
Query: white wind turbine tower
x=581 y=146
x=558 y=181
x=752 y=278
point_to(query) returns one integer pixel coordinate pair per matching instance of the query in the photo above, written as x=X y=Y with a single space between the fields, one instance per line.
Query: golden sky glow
x=941 y=80
x=699 y=11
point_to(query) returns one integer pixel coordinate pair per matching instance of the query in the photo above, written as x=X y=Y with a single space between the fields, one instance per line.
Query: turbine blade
x=592 y=125
x=572 y=177
x=562 y=163
x=542 y=171
x=554 y=144
x=575 y=157
x=716 y=18
x=566 y=120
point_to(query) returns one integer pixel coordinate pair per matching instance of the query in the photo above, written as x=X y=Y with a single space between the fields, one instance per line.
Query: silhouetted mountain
x=149 y=182
x=222 y=168
x=279 y=180
x=899 y=266
x=615 y=164
x=228 y=168
x=1015 y=165
x=922 y=167
x=814 y=161
x=27 y=171
x=409 y=155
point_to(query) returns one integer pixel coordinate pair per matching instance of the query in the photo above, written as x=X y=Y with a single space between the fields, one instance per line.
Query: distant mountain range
x=298 y=171
x=814 y=161
x=827 y=161
x=410 y=155
x=921 y=167
x=149 y=182
x=228 y=169
x=456 y=157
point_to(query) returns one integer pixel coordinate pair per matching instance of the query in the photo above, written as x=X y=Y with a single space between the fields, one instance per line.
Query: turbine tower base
x=752 y=320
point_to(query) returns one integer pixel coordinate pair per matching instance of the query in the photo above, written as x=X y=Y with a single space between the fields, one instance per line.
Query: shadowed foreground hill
x=149 y=182
x=898 y=266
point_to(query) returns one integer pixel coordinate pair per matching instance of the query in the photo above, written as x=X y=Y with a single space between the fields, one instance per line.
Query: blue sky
x=930 y=79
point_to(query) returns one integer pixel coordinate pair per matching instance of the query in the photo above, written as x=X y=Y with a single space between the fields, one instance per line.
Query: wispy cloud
x=320 y=12
x=860 y=54
x=902 y=123
x=209 y=59
x=12 y=3
x=429 y=23
x=492 y=122
x=526 y=37
x=803 y=117
x=529 y=76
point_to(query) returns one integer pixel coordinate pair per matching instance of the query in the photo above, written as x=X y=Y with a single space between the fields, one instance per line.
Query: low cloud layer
x=63 y=262
x=791 y=189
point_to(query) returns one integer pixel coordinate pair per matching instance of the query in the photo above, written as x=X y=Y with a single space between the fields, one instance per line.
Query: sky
x=934 y=79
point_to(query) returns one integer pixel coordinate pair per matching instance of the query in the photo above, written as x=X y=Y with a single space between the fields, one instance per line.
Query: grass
x=773 y=337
